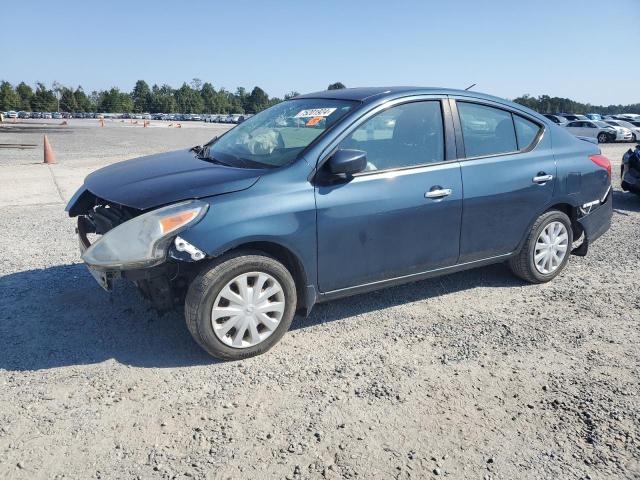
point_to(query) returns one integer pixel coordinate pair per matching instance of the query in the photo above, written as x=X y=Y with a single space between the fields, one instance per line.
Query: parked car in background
x=629 y=116
x=557 y=119
x=24 y=115
x=56 y=115
x=573 y=117
x=623 y=134
x=11 y=114
x=47 y=115
x=634 y=129
x=602 y=131
x=337 y=193
x=594 y=116
x=635 y=123
x=630 y=171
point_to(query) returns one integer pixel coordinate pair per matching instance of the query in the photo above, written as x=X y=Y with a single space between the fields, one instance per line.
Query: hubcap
x=248 y=309
x=551 y=248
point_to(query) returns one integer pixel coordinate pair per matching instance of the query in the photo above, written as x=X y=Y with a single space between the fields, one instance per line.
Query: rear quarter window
x=526 y=131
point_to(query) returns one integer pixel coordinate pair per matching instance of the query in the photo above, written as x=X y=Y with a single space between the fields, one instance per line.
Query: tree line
x=547 y=104
x=195 y=97
x=202 y=97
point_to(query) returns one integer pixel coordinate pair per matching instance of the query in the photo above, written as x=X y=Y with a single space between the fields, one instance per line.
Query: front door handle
x=542 y=178
x=438 y=192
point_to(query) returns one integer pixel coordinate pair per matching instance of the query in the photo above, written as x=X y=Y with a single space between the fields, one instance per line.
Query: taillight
x=601 y=161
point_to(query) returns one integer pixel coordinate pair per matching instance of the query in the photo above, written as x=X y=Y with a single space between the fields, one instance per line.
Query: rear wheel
x=241 y=306
x=546 y=250
x=602 y=137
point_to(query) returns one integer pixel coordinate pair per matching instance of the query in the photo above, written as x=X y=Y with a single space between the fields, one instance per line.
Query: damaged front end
x=117 y=241
x=630 y=173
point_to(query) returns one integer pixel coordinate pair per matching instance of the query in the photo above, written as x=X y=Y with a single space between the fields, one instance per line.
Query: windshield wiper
x=214 y=160
x=202 y=151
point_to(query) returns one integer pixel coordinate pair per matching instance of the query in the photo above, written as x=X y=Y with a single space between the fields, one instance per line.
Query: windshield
x=603 y=124
x=276 y=136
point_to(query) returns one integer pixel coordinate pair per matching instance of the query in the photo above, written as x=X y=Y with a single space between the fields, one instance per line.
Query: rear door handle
x=542 y=178
x=438 y=193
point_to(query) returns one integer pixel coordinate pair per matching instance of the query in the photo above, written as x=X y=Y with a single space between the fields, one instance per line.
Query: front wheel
x=602 y=138
x=241 y=306
x=546 y=250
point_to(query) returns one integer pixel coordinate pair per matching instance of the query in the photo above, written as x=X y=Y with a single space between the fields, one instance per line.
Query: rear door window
x=486 y=130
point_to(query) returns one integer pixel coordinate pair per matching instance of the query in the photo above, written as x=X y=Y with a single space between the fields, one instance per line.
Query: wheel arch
x=572 y=213
x=306 y=293
x=561 y=206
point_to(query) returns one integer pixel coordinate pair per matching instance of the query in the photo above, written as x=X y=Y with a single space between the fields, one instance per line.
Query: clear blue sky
x=567 y=48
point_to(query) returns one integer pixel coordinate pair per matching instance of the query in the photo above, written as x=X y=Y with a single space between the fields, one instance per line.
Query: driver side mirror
x=347 y=162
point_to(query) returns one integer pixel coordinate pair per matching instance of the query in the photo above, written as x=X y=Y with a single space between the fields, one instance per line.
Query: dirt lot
x=475 y=375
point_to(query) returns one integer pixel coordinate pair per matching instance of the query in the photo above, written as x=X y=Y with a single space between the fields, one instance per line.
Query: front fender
x=274 y=211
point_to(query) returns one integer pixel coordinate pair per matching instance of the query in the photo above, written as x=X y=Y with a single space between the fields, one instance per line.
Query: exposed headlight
x=143 y=240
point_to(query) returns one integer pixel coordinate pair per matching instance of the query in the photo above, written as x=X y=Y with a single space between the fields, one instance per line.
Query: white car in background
x=634 y=129
x=628 y=116
x=594 y=129
x=12 y=114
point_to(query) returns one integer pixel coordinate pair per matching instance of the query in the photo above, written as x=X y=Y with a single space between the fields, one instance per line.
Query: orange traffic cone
x=102 y=122
x=49 y=157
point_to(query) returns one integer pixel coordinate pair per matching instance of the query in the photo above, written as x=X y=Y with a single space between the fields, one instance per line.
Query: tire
x=603 y=137
x=207 y=289
x=633 y=138
x=523 y=264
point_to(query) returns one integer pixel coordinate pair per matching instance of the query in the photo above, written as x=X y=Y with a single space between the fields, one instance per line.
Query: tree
x=209 y=98
x=241 y=98
x=258 y=100
x=291 y=94
x=25 y=92
x=68 y=100
x=188 y=100
x=43 y=99
x=115 y=101
x=225 y=101
x=57 y=92
x=9 y=99
x=336 y=86
x=82 y=101
x=163 y=100
x=141 y=96
x=196 y=84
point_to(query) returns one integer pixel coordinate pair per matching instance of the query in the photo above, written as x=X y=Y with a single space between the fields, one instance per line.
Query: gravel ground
x=471 y=375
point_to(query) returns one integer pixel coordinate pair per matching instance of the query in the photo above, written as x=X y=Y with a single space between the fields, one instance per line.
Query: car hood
x=156 y=180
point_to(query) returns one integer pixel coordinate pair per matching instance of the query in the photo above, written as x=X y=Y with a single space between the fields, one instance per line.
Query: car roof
x=366 y=94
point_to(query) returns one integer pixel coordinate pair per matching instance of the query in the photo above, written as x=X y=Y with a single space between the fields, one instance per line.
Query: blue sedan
x=336 y=193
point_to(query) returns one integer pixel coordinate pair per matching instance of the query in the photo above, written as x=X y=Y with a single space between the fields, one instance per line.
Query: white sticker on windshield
x=315 y=112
